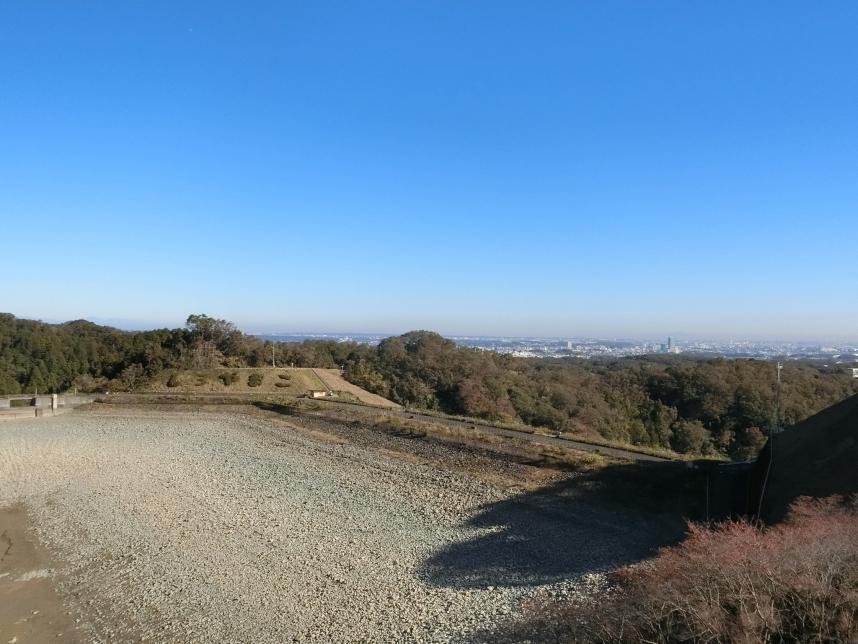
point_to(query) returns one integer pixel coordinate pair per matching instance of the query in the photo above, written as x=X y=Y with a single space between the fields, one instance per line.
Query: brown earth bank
x=194 y=524
x=333 y=379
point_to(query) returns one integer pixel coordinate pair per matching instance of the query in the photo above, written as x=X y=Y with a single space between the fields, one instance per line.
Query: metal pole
x=772 y=432
x=778 y=400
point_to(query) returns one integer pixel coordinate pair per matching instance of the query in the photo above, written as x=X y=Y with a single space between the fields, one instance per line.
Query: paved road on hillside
x=522 y=435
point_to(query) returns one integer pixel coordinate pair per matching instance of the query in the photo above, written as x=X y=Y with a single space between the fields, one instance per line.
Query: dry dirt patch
x=30 y=608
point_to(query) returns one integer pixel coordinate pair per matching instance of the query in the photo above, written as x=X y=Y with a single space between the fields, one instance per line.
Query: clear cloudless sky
x=530 y=168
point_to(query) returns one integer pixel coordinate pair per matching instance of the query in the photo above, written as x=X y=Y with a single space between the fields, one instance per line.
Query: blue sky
x=530 y=168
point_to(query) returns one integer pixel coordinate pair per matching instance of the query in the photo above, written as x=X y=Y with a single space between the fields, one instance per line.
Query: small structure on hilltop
x=319 y=393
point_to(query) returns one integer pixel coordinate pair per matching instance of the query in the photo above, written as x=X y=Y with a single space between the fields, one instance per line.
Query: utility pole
x=272 y=356
x=772 y=431
x=778 y=400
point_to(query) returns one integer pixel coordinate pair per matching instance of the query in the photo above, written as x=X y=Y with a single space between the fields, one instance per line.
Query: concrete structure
x=316 y=393
x=27 y=406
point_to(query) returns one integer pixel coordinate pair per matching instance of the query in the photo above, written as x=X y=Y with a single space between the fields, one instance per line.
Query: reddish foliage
x=739 y=582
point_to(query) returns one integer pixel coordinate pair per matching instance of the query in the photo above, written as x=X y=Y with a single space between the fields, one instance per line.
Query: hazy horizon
x=250 y=329
x=556 y=170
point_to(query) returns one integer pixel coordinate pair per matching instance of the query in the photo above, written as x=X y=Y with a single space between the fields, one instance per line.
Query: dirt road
x=333 y=379
x=181 y=526
x=541 y=439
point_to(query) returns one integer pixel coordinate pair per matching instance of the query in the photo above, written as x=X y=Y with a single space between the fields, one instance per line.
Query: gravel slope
x=213 y=527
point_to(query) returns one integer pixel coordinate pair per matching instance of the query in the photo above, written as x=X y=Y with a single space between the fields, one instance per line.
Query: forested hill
x=35 y=356
x=691 y=405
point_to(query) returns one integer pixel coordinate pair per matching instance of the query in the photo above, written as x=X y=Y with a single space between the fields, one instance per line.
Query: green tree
x=690 y=437
x=131 y=376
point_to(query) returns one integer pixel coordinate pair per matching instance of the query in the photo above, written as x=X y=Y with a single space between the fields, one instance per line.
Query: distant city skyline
x=677 y=336
x=590 y=169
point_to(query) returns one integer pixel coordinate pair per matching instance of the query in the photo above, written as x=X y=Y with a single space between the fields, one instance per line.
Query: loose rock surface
x=201 y=526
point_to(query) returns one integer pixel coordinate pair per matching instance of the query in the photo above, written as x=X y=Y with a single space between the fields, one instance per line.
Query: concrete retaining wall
x=47 y=401
x=40 y=406
x=17 y=413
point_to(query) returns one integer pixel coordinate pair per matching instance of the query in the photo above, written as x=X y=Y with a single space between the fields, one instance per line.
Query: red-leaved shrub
x=738 y=582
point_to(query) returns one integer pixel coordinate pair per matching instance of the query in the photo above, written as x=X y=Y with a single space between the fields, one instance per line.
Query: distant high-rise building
x=669 y=344
x=569 y=345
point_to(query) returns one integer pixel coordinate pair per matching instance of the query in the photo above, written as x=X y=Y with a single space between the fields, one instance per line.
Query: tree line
x=36 y=357
x=683 y=403
x=691 y=405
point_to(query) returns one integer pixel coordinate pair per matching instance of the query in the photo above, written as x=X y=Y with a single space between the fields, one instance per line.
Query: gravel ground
x=201 y=526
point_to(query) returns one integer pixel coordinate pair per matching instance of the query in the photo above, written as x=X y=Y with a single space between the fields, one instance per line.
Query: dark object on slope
x=818 y=457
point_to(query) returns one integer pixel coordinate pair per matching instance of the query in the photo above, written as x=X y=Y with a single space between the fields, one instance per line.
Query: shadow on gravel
x=286 y=410
x=588 y=523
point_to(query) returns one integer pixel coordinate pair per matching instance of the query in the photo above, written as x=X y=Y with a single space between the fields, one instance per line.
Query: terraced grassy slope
x=295 y=382
x=285 y=381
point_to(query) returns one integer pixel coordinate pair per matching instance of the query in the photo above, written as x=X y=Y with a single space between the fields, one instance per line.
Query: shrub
x=228 y=378
x=739 y=582
x=690 y=437
x=284 y=376
x=174 y=380
x=281 y=384
x=747 y=443
x=254 y=379
x=131 y=376
x=89 y=384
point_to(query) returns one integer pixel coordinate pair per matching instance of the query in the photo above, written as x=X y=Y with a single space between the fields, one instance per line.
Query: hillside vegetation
x=687 y=404
x=690 y=405
x=738 y=581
